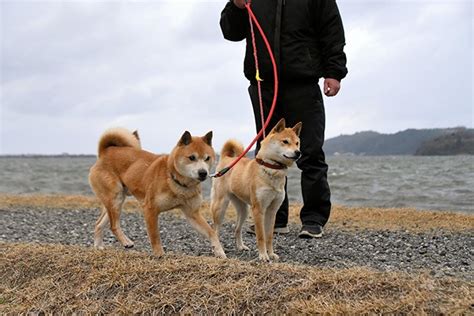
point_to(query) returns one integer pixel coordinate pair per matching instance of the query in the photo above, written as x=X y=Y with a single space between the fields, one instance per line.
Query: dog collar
x=277 y=166
x=177 y=182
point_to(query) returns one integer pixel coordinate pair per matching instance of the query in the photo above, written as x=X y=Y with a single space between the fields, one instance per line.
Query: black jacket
x=307 y=38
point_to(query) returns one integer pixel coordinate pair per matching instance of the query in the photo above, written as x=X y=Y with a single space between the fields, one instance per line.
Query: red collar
x=177 y=182
x=277 y=166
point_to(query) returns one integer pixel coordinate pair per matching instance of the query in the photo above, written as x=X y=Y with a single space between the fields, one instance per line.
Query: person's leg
x=305 y=103
x=267 y=97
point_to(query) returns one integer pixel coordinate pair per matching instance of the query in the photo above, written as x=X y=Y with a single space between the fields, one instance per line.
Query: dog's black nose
x=297 y=153
x=202 y=174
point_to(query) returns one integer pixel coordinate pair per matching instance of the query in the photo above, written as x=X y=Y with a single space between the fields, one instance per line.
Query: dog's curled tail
x=232 y=148
x=119 y=137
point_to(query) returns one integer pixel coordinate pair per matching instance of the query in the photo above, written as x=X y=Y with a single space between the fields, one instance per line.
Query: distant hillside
x=407 y=142
x=458 y=142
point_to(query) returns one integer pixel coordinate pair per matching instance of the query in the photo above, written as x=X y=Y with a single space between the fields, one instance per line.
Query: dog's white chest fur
x=267 y=194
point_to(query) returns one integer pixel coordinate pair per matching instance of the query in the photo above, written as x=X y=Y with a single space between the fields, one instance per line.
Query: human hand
x=331 y=86
x=241 y=3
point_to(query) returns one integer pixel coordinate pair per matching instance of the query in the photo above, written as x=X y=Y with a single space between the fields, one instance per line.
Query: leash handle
x=253 y=19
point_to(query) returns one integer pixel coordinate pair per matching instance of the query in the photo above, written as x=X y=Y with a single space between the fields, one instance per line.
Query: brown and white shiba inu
x=256 y=182
x=159 y=182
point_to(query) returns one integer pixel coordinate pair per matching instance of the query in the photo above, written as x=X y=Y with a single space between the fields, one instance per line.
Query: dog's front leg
x=200 y=224
x=151 y=219
x=270 y=215
x=260 y=232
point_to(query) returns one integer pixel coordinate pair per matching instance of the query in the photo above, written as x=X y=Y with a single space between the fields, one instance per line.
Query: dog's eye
x=297 y=143
x=286 y=142
x=192 y=158
x=207 y=158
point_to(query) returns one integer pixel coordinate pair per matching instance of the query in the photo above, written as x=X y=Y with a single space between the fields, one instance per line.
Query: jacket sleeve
x=332 y=41
x=234 y=22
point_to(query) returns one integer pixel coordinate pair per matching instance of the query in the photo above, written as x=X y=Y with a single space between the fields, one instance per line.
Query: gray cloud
x=70 y=69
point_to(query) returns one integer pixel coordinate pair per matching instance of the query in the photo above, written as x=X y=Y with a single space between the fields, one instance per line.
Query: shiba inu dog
x=256 y=182
x=159 y=182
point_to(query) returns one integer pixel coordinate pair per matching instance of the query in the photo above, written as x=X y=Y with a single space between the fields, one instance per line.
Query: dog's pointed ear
x=186 y=139
x=279 y=127
x=297 y=128
x=208 y=138
x=135 y=133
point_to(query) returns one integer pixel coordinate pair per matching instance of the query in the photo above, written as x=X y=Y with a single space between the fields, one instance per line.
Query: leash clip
x=220 y=173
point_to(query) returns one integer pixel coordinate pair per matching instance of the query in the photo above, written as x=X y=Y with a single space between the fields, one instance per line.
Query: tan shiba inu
x=256 y=182
x=159 y=182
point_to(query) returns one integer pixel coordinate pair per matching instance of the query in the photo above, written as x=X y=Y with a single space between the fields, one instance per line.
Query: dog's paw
x=127 y=243
x=219 y=252
x=274 y=257
x=158 y=254
x=221 y=255
x=243 y=248
x=99 y=245
x=263 y=257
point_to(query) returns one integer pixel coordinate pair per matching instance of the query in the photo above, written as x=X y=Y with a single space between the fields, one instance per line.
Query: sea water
x=431 y=183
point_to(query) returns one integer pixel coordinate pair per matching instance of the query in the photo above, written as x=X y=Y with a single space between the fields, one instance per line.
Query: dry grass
x=409 y=219
x=66 y=279
x=342 y=217
x=12 y=201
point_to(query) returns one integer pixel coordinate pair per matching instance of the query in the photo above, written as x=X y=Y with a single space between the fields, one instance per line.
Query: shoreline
x=342 y=217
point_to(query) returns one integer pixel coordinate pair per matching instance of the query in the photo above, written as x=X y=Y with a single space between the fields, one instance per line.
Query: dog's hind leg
x=218 y=208
x=114 y=208
x=102 y=221
x=242 y=214
x=199 y=223
x=111 y=193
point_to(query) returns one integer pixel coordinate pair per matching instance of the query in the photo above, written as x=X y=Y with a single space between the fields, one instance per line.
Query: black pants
x=301 y=102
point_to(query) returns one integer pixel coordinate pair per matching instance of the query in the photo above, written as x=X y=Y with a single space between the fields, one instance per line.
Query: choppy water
x=435 y=183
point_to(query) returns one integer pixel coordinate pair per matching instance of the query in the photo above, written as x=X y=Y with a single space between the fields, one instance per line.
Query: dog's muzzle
x=297 y=155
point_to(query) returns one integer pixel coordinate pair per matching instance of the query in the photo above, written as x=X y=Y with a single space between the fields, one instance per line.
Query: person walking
x=307 y=39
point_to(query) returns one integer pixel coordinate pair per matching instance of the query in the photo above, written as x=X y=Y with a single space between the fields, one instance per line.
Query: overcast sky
x=71 y=69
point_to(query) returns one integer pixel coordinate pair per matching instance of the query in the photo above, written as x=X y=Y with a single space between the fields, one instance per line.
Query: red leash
x=257 y=74
x=253 y=19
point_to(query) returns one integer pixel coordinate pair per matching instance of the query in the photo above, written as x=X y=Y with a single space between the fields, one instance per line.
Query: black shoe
x=276 y=230
x=314 y=231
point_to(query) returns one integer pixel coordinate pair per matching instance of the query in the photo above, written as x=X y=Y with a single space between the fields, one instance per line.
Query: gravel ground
x=440 y=253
